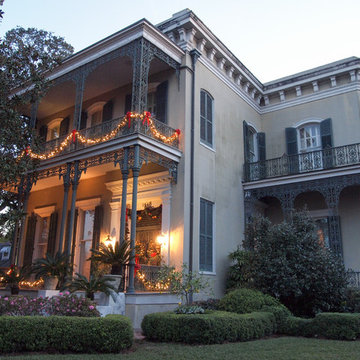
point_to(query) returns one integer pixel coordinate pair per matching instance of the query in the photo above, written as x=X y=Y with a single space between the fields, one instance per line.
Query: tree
x=288 y=262
x=26 y=57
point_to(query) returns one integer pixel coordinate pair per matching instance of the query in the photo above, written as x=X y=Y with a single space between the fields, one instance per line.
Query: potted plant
x=92 y=285
x=117 y=256
x=13 y=277
x=53 y=269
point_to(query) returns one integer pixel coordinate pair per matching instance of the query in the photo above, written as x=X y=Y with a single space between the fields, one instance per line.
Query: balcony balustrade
x=325 y=159
x=98 y=134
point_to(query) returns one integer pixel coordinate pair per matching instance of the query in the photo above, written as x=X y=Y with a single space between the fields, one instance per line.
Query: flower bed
x=59 y=333
x=65 y=304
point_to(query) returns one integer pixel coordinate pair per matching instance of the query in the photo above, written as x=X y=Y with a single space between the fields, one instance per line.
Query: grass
x=283 y=348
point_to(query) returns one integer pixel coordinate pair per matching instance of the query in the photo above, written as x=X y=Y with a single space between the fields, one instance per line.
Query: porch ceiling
x=108 y=170
x=105 y=78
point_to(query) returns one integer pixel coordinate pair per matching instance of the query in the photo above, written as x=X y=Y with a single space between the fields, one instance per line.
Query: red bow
x=74 y=135
x=147 y=116
x=27 y=150
x=178 y=132
x=128 y=117
x=137 y=265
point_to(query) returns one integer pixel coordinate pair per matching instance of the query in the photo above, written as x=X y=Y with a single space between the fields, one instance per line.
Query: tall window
x=309 y=138
x=206 y=235
x=206 y=118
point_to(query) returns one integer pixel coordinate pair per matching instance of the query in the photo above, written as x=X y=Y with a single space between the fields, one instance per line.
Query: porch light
x=162 y=239
x=109 y=241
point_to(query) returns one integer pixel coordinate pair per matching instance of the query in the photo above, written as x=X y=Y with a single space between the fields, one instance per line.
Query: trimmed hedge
x=63 y=334
x=244 y=301
x=213 y=327
x=336 y=326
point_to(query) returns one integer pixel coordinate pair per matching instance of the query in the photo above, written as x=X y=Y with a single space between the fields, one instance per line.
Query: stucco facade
x=229 y=146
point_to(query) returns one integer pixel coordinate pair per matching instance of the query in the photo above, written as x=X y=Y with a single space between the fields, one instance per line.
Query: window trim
x=213 y=265
x=203 y=141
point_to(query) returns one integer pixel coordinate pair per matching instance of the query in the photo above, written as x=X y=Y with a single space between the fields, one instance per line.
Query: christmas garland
x=145 y=117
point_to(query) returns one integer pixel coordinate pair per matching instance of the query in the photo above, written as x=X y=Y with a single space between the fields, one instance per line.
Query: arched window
x=309 y=138
x=206 y=118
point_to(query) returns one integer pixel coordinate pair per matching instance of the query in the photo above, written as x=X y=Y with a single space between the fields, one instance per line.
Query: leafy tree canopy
x=26 y=55
x=288 y=262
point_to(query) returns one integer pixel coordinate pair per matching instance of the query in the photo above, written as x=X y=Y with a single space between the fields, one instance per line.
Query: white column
x=114 y=230
x=165 y=227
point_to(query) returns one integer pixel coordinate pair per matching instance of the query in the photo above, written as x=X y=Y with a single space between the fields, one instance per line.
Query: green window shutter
x=52 y=233
x=326 y=133
x=98 y=220
x=161 y=102
x=64 y=126
x=261 y=146
x=29 y=240
x=107 y=113
x=128 y=99
x=246 y=135
x=206 y=236
x=83 y=120
x=292 y=149
x=291 y=141
x=206 y=118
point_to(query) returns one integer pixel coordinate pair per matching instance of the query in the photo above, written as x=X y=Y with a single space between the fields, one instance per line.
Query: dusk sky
x=272 y=38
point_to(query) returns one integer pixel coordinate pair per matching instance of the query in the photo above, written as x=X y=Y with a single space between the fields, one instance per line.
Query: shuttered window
x=206 y=118
x=206 y=235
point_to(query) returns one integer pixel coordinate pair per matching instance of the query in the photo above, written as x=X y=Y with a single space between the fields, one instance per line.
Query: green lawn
x=284 y=348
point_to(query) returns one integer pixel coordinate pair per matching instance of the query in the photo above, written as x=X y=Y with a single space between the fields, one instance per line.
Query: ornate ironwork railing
x=100 y=131
x=302 y=163
x=147 y=279
x=353 y=278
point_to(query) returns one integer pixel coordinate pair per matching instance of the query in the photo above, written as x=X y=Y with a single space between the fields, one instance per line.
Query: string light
x=150 y=285
x=145 y=117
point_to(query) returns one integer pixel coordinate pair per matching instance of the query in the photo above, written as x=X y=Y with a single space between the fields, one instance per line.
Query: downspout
x=195 y=54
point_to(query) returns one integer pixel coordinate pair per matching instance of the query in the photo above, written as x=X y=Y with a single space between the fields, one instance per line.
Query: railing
x=353 y=279
x=302 y=163
x=147 y=279
x=100 y=131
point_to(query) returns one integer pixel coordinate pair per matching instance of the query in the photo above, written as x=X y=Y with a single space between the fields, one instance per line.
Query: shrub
x=352 y=301
x=296 y=326
x=288 y=262
x=189 y=309
x=67 y=304
x=209 y=304
x=22 y=306
x=62 y=305
x=213 y=327
x=337 y=326
x=243 y=301
x=54 y=333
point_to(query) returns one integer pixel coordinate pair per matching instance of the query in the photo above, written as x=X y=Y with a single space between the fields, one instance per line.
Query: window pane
x=202 y=129
x=209 y=108
x=202 y=103
x=209 y=133
x=88 y=224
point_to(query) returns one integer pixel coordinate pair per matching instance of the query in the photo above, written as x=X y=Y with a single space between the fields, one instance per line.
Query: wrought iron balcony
x=353 y=278
x=119 y=127
x=303 y=163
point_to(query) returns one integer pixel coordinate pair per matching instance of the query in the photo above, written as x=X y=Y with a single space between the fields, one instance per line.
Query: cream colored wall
x=218 y=171
x=343 y=109
x=349 y=211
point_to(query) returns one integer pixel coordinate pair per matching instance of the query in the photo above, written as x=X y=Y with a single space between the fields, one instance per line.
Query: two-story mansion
x=160 y=132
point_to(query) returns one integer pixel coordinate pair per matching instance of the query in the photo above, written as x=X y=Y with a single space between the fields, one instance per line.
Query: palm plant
x=92 y=285
x=52 y=266
x=117 y=256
